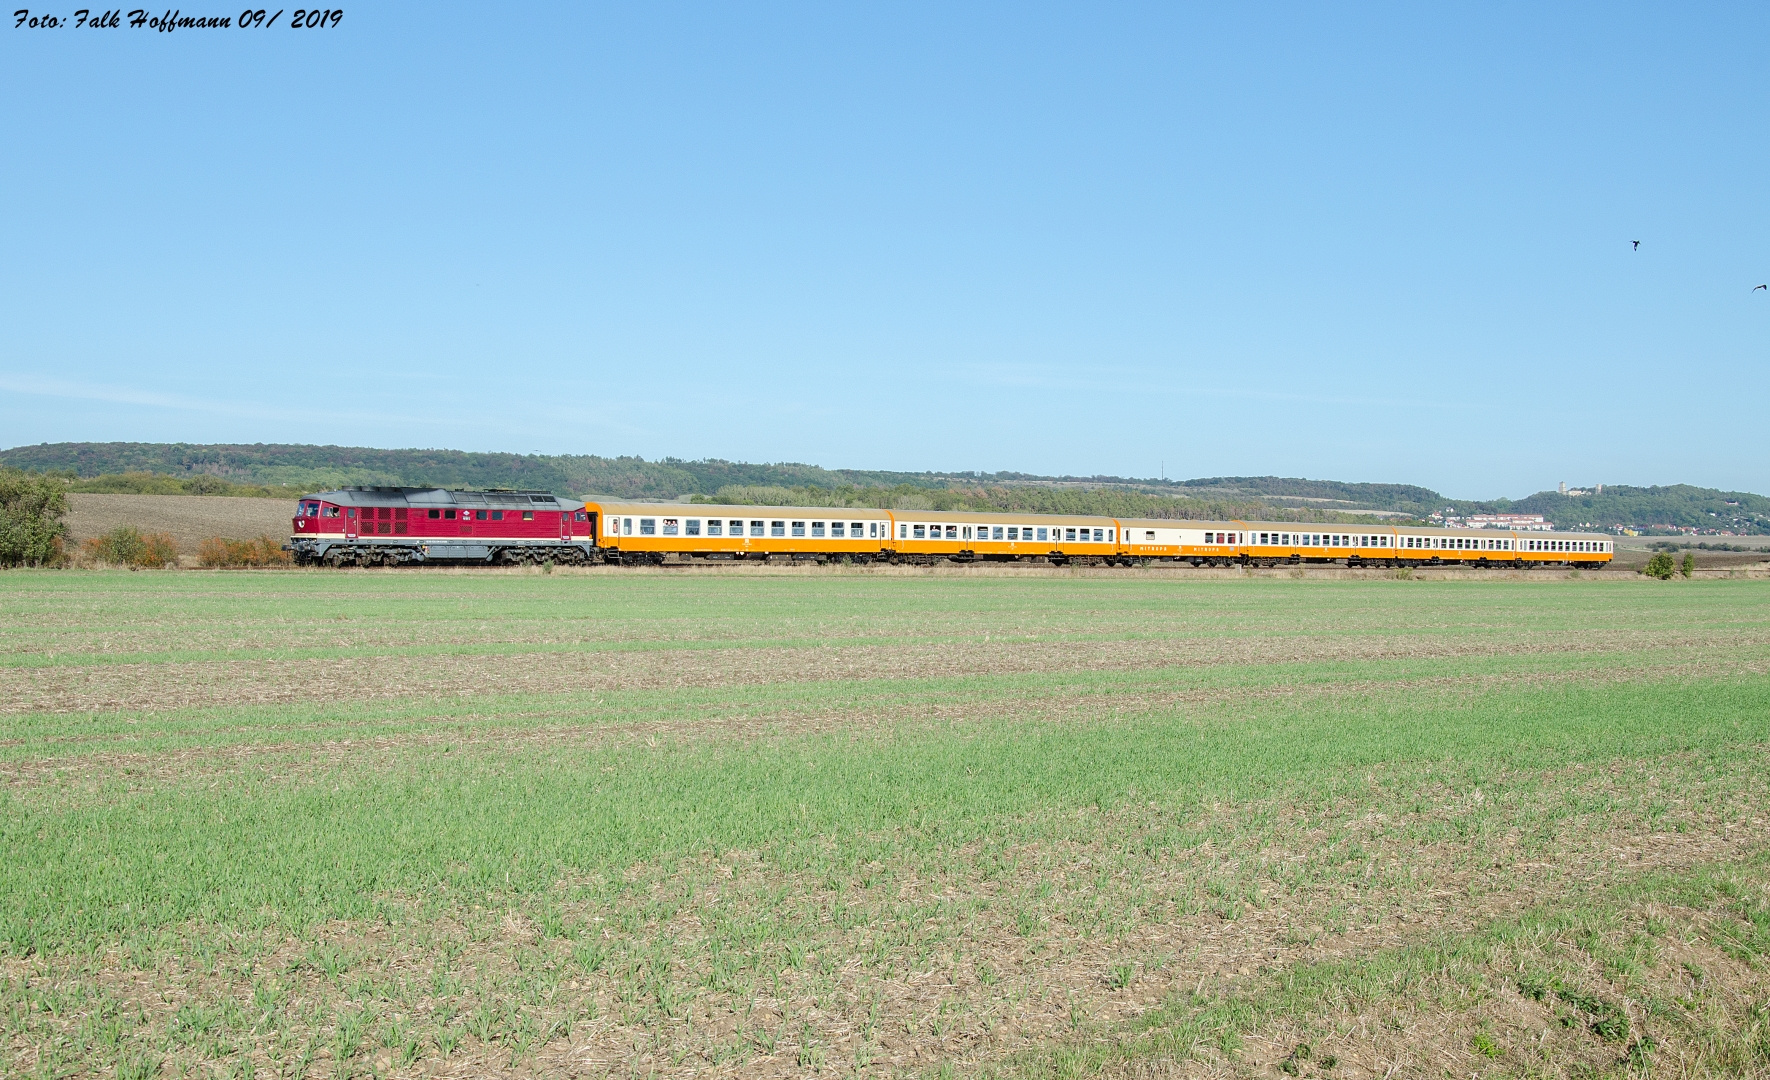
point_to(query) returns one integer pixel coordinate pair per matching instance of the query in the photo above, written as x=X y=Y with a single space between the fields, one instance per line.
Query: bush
x=1689 y=564
x=218 y=551
x=31 y=528
x=129 y=546
x=1660 y=566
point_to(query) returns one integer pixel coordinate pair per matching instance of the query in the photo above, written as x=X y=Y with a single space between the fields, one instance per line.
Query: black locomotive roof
x=421 y=496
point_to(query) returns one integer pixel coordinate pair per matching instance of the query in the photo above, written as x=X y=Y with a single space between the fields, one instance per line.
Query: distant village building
x=1520 y=522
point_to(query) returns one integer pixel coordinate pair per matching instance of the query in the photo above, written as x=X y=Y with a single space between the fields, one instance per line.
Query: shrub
x=31 y=528
x=1689 y=564
x=218 y=551
x=1660 y=566
x=128 y=546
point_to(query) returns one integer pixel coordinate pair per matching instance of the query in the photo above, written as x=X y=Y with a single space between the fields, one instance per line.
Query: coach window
x=692 y=527
x=715 y=527
x=648 y=526
x=817 y=528
x=798 y=528
x=626 y=526
x=778 y=528
x=921 y=533
x=837 y=530
x=670 y=525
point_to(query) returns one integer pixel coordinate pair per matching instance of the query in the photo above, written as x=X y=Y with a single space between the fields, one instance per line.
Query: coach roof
x=424 y=497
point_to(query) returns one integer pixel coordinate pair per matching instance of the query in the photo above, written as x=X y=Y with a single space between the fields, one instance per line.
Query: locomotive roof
x=422 y=496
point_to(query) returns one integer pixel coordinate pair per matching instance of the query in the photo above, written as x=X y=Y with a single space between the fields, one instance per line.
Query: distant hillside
x=1659 y=509
x=271 y=469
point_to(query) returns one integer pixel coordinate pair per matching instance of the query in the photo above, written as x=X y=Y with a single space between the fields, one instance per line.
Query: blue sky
x=1371 y=242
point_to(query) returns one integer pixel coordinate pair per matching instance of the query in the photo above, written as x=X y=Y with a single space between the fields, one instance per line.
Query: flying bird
x=1765 y=287
x=1637 y=244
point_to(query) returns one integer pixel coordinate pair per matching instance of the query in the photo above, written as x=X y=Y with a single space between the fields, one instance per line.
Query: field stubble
x=883 y=825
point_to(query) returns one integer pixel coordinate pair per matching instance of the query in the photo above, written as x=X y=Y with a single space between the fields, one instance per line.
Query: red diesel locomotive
x=387 y=526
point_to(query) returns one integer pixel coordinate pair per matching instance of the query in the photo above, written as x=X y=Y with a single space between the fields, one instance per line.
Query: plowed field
x=513 y=823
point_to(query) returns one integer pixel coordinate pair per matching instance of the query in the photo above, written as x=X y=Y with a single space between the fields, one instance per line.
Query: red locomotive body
x=379 y=526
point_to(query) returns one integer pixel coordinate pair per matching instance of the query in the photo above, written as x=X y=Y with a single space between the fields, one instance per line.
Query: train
x=409 y=526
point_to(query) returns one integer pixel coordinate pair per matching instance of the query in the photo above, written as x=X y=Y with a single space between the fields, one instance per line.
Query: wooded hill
x=286 y=470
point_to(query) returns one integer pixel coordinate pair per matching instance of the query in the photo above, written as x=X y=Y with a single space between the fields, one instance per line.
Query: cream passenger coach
x=385 y=525
x=649 y=532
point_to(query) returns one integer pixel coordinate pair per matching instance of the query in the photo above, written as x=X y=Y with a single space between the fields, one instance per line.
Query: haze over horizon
x=1381 y=245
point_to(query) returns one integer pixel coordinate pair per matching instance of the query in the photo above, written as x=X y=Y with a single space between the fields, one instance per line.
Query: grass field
x=450 y=823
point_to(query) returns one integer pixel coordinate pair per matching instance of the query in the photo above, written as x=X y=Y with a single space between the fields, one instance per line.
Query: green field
x=885 y=823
